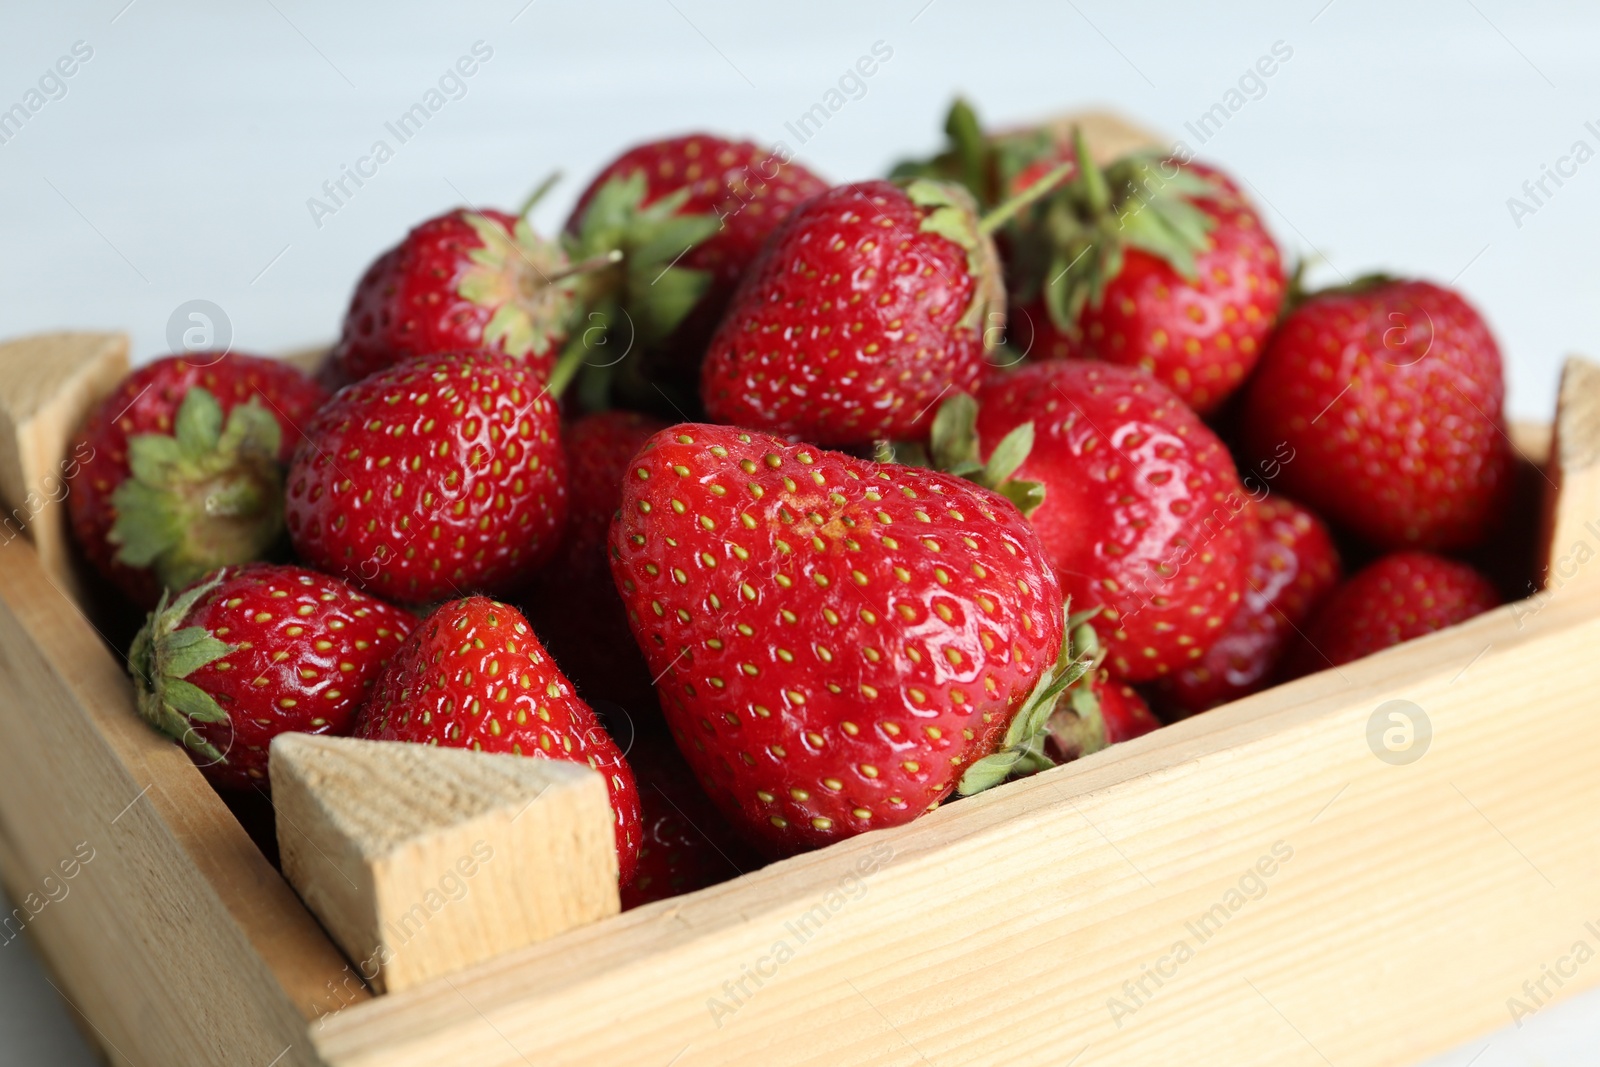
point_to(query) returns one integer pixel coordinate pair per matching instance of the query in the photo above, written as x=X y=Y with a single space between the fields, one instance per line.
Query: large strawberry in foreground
x=1142 y=513
x=1153 y=264
x=180 y=470
x=740 y=191
x=838 y=640
x=1389 y=394
x=436 y=477
x=462 y=280
x=252 y=652
x=473 y=675
x=869 y=303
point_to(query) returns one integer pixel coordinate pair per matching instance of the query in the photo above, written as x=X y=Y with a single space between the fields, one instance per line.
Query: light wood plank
x=177 y=939
x=1572 y=508
x=48 y=385
x=422 y=860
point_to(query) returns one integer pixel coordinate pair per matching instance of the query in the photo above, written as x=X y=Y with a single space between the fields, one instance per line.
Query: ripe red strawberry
x=473 y=675
x=745 y=188
x=434 y=477
x=572 y=601
x=1095 y=716
x=1401 y=596
x=1154 y=264
x=838 y=640
x=460 y=281
x=252 y=652
x=1295 y=565
x=1389 y=393
x=870 y=302
x=180 y=470
x=1142 y=515
x=687 y=844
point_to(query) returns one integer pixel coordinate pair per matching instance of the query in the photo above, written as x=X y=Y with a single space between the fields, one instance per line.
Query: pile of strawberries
x=795 y=509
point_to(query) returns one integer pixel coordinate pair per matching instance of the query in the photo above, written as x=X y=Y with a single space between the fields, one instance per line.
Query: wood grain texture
x=1572 y=506
x=176 y=938
x=48 y=385
x=423 y=860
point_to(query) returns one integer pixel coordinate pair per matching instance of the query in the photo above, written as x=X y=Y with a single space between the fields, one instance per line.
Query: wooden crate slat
x=1035 y=897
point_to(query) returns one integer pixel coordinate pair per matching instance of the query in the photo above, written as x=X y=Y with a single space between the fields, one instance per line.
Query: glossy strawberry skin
x=432 y=478
x=1391 y=401
x=409 y=302
x=686 y=843
x=750 y=188
x=1294 y=567
x=1126 y=714
x=851 y=324
x=473 y=675
x=147 y=401
x=1201 y=337
x=1135 y=485
x=837 y=640
x=572 y=602
x=1399 y=597
x=307 y=650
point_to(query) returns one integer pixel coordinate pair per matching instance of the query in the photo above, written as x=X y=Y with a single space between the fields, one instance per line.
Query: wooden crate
x=1251 y=886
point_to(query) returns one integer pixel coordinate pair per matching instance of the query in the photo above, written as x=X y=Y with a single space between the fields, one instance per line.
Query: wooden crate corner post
x=423 y=860
x=1572 y=509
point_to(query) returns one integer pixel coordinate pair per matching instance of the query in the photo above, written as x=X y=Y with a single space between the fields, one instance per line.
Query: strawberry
x=744 y=189
x=1294 y=566
x=1138 y=505
x=463 y=280
x=572 y=601
x=838 y=641
x=869 y=303
x=1389 y=393
x=1399 y=597
x=252 y=652
x=1153 y=263
x=473 y=675
x=686 y=843
x=437 y=475
x=180 y=470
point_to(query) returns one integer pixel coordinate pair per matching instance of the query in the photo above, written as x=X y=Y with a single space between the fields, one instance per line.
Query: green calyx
x=1074 y=242
x=163 y=655
x=1023 y=752
x=206 y=496
x=953 y=448
x=985 y=164
x=528 y=282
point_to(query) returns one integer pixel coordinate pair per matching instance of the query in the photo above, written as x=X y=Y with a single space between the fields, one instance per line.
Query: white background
x=179 y=164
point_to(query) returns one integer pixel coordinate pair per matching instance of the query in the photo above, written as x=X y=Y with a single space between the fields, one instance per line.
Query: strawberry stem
x=1006 y=211
x=585 y=266
x=538 y=193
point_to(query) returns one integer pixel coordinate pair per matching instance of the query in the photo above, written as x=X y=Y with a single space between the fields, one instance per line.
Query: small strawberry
x=1295 y=565
x=436 y=476
x=1138 y=505
x=870 y=302
x=180 y=470
x=572 y=601
x=1154 y=263
x=1389 y=394
x=744 y=189
x=838 y=641
x=463 y=280
x=1397 y=598
x=1096 y=716
x=687 y=844
x=252 y=652
x=473 y=675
